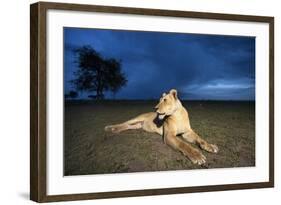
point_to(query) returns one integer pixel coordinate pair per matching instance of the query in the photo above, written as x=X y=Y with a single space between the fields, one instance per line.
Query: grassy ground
x=90 y=150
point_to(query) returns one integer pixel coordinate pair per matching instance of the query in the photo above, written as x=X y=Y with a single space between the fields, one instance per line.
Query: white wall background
x=14 y=103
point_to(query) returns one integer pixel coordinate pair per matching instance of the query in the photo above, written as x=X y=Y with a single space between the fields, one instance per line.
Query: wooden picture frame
x=38 y=102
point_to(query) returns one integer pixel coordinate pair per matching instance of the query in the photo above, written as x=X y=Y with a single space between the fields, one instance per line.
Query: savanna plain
x=88 y=149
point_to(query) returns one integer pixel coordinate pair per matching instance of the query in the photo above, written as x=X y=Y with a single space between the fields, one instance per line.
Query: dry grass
x=90 y=150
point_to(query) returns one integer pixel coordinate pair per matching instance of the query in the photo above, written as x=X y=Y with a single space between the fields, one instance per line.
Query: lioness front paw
x=211 y=148
x=197 y=157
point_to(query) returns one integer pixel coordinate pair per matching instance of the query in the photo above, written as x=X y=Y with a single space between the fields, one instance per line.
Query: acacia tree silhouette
x=97 y=74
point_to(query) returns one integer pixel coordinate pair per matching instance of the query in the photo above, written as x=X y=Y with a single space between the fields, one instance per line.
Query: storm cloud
x=200 y=67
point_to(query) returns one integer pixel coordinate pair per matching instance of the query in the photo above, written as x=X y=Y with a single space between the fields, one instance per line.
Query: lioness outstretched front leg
x=193 y=154
x=192 y=137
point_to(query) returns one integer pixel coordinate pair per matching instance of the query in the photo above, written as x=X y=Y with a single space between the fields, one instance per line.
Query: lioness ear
x=174 y=93
x=164 y=94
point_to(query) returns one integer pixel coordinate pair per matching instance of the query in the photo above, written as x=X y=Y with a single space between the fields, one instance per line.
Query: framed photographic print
x=134 y=102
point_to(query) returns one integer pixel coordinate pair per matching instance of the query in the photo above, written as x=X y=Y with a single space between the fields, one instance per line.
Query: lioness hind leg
x=132 y=124
x=122 y=127
x=192 y=137
x=114 y=128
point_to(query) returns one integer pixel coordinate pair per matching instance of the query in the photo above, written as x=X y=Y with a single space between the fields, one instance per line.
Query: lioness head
x=168 y=104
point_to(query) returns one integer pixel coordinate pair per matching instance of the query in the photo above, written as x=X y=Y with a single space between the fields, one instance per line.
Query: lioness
x=169 y=120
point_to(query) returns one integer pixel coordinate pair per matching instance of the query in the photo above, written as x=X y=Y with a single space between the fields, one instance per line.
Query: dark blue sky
x=200 y=67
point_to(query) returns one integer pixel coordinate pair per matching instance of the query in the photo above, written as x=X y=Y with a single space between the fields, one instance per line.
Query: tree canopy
x=96 y=73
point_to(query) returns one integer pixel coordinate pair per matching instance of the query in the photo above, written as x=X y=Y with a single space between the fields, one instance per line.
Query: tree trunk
x=99 y=86
x=99 y=95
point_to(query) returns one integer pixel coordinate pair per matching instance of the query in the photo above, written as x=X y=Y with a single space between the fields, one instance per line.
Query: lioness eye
x=164 y=99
